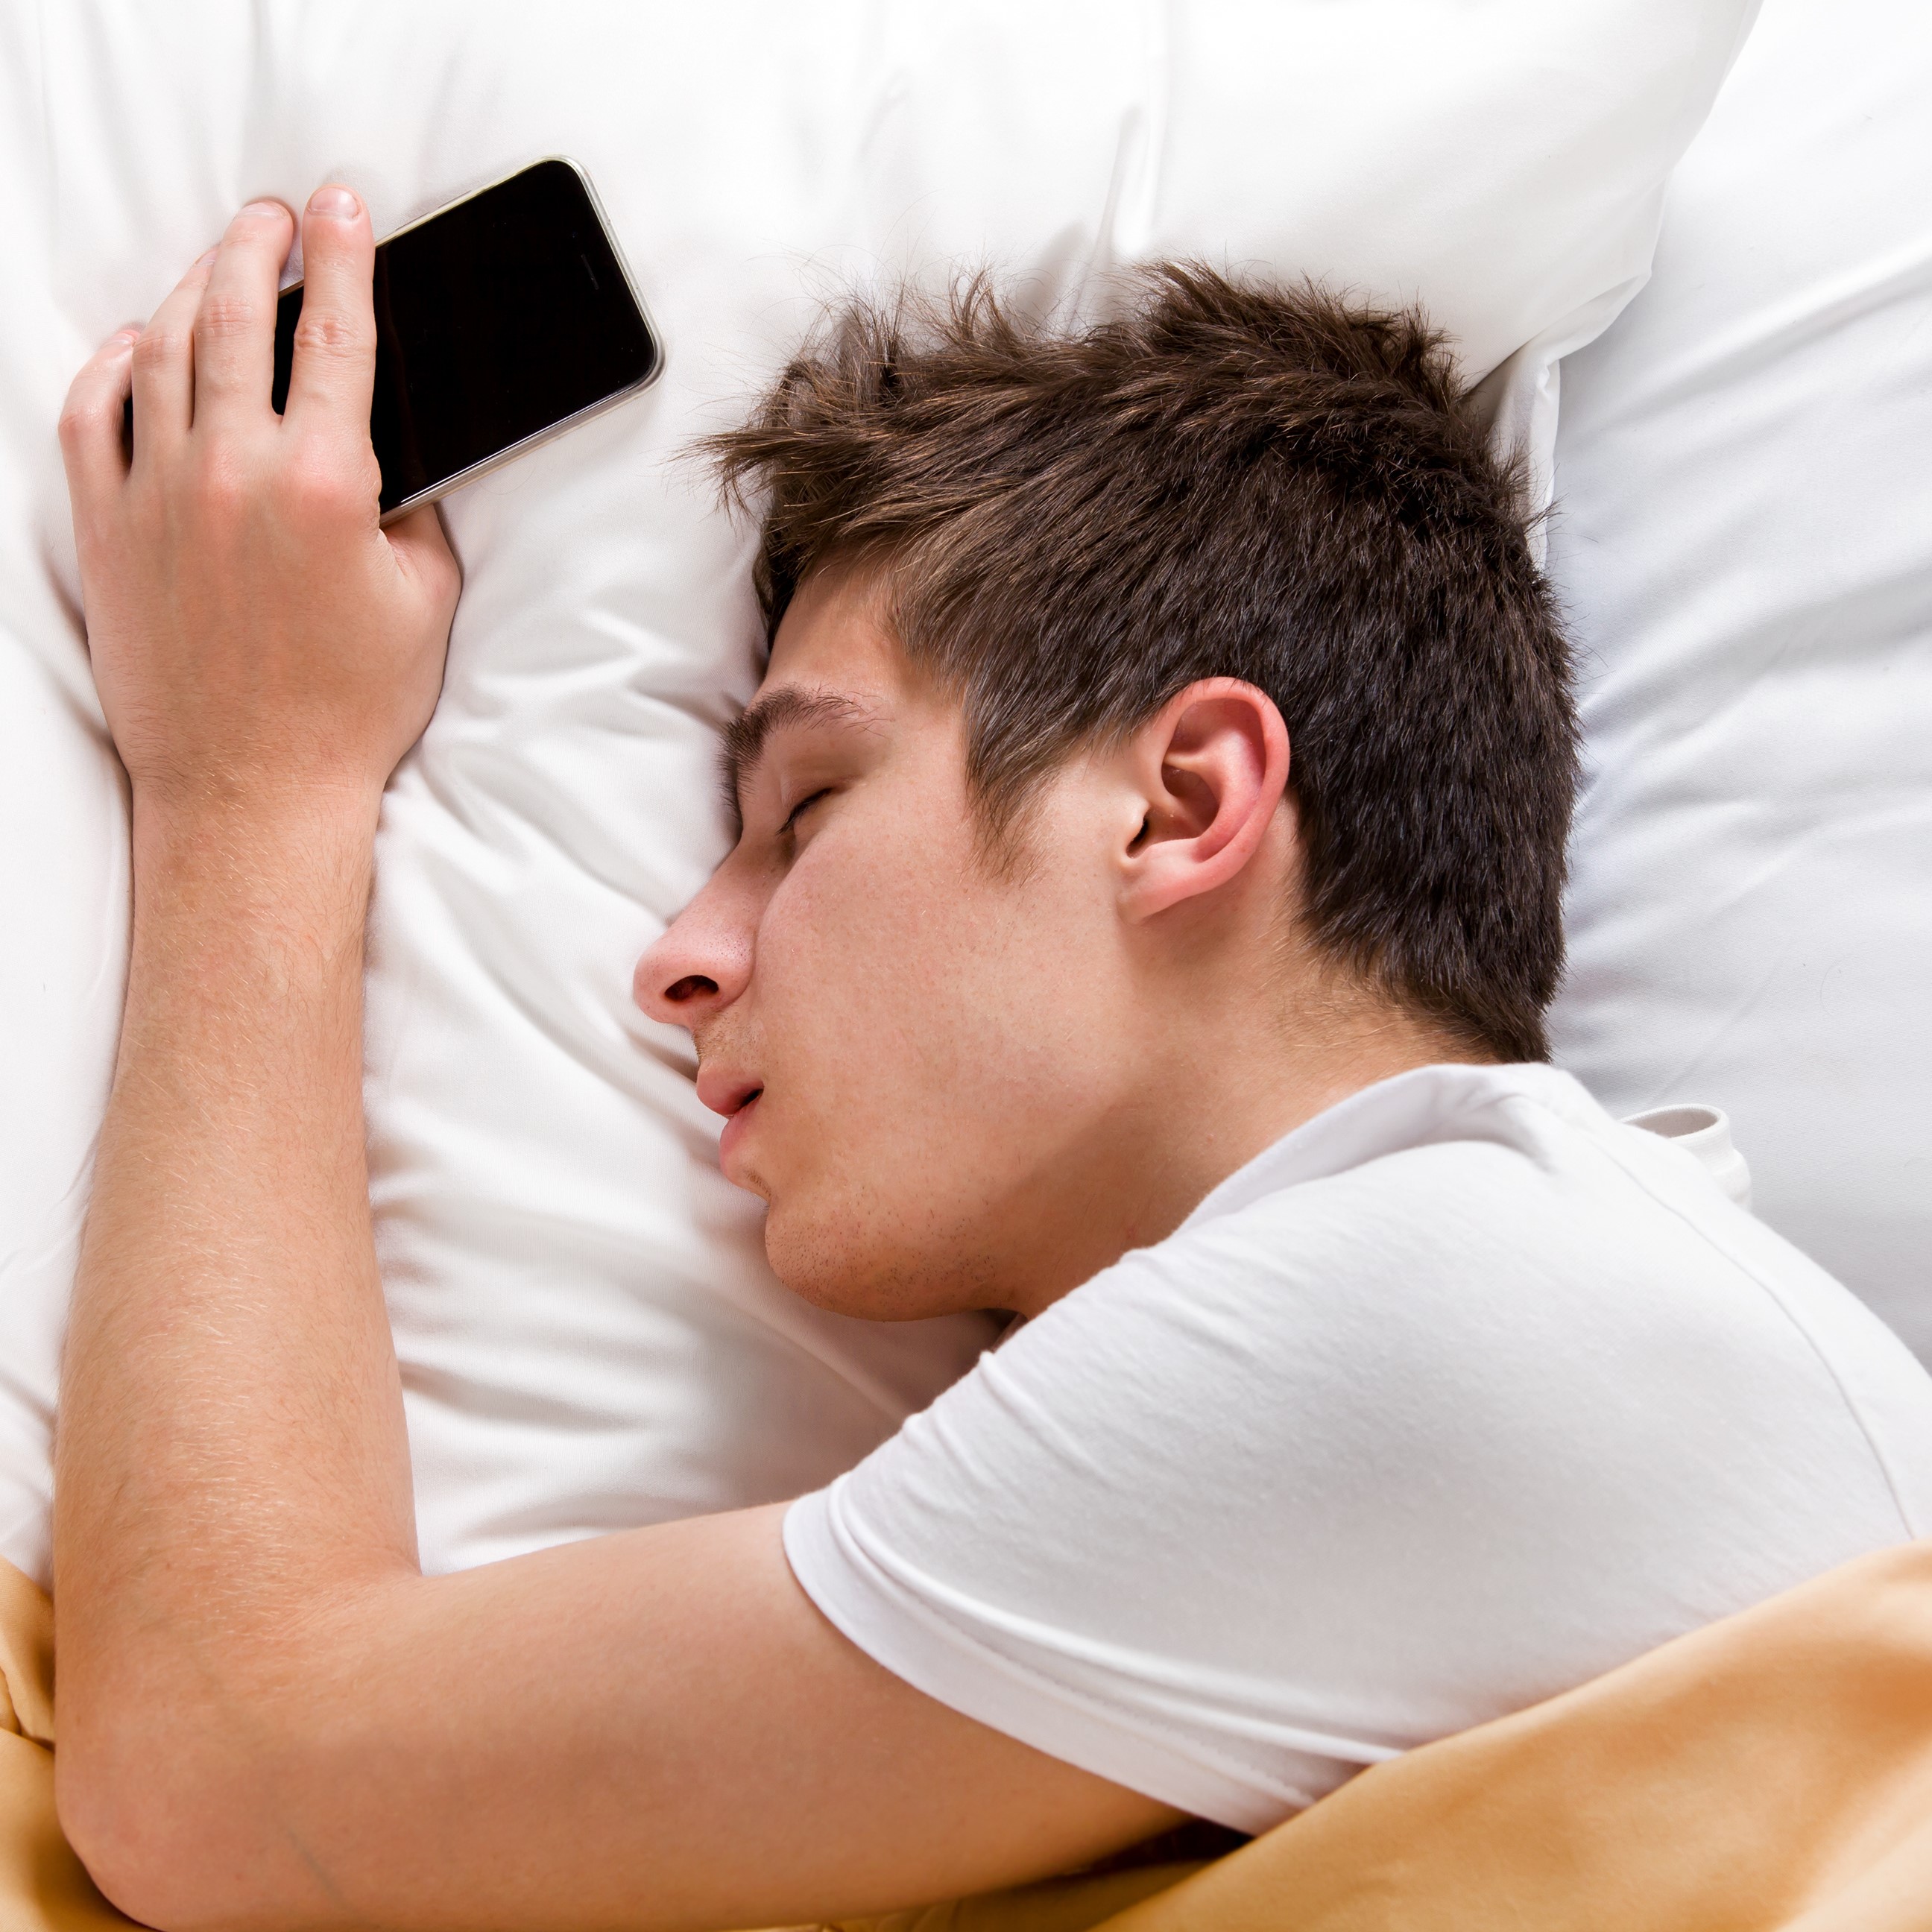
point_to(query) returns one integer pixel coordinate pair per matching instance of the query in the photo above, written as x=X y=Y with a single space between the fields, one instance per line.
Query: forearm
x=232 y=1518
x=232 y=1454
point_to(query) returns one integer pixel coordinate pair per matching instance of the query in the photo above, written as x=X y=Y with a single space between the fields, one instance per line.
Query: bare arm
x=268 y=1715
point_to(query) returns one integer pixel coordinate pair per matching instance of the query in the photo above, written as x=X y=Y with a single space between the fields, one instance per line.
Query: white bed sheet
x=588 y=1336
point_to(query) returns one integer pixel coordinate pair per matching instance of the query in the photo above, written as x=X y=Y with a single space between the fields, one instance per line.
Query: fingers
x=163 y=380
x=235 y=322
x=90 y=422
x=208 y=354
x=334 y=371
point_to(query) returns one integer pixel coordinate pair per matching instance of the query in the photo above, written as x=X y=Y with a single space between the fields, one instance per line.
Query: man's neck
x=1217 y=1098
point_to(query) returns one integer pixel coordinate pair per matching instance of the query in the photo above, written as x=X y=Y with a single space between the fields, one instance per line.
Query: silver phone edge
x=436 y=490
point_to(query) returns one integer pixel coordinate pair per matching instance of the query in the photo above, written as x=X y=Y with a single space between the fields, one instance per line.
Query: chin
x=835 y=1261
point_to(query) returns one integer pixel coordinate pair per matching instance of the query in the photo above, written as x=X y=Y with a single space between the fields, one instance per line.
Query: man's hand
x=257 y=637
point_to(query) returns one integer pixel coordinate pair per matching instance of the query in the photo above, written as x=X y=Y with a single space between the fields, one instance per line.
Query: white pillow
x=588 y=1336
x=1744 y=537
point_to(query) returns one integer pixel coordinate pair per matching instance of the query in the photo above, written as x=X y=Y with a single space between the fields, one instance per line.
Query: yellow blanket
x=1772 y=1774
x=42 y=1888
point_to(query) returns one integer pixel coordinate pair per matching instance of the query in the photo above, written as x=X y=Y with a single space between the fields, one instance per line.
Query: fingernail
x=336 y=201
x=265 y=208
x=203 y=261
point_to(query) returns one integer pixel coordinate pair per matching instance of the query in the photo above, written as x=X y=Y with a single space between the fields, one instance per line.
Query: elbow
x=163 y=1819
x=224 y=1784
x=133 y=1807
x=222 y=1780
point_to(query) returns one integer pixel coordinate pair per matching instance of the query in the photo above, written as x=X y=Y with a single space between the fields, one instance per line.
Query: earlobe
x=1211 y=768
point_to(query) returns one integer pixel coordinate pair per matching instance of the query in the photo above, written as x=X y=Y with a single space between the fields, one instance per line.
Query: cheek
x=904 y=1039
x=868 y=958
x=941 y=1026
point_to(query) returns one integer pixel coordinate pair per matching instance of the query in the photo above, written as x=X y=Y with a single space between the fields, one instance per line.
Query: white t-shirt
x=1459 y=1395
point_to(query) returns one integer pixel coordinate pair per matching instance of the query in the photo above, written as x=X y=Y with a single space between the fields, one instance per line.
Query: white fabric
x=1744 y=541
x=1704 y=1132
x=1459 y=1395
x=588 y=1336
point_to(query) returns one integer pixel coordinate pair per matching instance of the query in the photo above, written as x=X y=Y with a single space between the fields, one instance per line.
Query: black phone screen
x=497 y=319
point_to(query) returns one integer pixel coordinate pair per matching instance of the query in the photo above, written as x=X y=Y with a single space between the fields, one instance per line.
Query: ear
x=1209 y=770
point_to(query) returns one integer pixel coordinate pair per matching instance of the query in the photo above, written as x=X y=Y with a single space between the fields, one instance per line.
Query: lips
x=735 y=1096
x=735 y=1128
x=725 y=1092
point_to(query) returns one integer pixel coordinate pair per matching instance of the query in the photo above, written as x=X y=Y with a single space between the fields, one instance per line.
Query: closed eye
x=804 y=805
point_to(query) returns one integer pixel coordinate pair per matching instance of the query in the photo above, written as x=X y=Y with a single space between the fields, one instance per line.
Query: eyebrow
x=746 y=736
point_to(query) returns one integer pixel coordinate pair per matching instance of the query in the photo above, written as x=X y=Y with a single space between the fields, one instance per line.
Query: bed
x=1687 y=250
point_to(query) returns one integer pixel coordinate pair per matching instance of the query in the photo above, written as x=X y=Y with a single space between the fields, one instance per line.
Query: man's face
x=924 y=1056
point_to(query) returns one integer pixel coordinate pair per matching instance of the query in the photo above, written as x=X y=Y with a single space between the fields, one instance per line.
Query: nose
x=703 y=962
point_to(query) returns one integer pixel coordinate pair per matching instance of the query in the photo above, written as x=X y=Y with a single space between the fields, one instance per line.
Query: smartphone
x=500 y=319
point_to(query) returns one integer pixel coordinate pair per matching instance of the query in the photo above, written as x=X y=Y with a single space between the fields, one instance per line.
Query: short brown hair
x=1230 y=479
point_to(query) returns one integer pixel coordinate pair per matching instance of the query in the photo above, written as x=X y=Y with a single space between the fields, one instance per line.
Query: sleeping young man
x=1146 y=899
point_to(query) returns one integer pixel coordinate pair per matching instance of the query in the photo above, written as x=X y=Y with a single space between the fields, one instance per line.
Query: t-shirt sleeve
x=1034 y=1549
x=1096 y=1542
x=1377 y=1459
